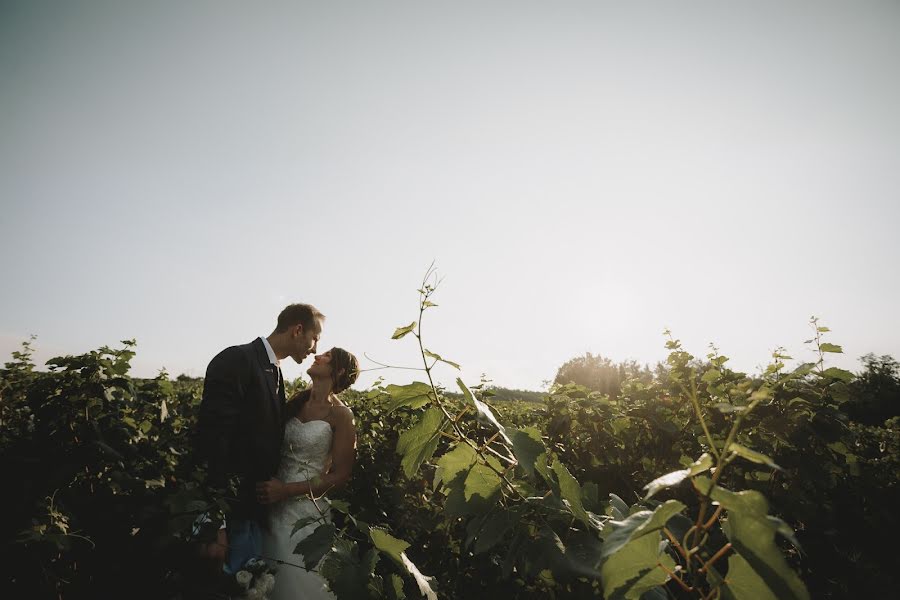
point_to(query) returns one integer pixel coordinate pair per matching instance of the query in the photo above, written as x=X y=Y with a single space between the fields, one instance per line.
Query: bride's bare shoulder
x=342 y=411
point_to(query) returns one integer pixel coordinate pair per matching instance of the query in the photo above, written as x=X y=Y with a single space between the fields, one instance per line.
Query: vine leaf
x=450 y=465
x=753 y=456
x=619 y=507
x=527 y=447
x=304 y=522
x=396 y=550
x=316 y=545
x=481 y=481
x=675 y=477
x=417 y=444
x=415 y=394
x=443 y=360
x=752 y=534
x=831 y=348
x=641 y=523
x=402 y=331
x=836 y=373
x=743 y=583
x=634 y=569
x=571 y=493
x=347 y=576
x=785 y=530
x=484 y=413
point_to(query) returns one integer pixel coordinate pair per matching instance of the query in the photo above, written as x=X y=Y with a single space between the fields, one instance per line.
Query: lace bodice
x=305 y=450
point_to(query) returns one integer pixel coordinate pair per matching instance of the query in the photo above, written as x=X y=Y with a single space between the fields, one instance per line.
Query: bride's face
x=321 y=366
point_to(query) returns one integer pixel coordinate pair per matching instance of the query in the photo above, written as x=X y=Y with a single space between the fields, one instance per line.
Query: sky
x=584 y=175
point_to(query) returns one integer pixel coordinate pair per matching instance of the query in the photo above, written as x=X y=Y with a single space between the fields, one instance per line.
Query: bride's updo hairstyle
x=344 y=369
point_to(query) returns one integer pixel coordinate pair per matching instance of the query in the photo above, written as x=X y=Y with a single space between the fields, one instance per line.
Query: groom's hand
x=271 y=491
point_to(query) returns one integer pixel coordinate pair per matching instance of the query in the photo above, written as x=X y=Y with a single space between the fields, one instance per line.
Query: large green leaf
x=675 y=477
x=450 y=465
x=316 y=545
x=347 y=577
x=527 y=446
x=619 y=533
x=396 y=550
x=417 y=444
x=752 y=534
x=743 y=583
x=482 y=481
x=831 y=348
x=836 y=373
x=484 y=413
x=571 y=493
x=634 y=569
x=415 y=394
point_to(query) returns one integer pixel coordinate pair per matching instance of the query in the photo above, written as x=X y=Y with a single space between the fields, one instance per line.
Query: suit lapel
x=270 y=374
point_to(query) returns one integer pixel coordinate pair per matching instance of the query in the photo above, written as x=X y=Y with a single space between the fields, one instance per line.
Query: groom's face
x=305 y=341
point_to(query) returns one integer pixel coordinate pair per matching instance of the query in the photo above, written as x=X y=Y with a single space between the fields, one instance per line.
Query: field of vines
x=695 y=482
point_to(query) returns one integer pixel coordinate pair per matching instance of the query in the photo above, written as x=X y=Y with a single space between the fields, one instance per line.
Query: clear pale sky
x=584 y=174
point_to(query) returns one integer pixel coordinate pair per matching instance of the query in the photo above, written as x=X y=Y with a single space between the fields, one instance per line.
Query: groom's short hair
x=299 y=314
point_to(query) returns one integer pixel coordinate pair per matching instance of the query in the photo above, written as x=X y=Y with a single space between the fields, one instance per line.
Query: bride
x=317 y=455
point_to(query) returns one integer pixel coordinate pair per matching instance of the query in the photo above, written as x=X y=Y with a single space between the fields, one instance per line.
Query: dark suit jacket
x=240 y=426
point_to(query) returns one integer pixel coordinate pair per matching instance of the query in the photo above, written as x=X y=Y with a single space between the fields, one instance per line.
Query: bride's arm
x=343 y=454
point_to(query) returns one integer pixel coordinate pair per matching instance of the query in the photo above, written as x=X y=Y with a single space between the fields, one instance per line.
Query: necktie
x=279 y=381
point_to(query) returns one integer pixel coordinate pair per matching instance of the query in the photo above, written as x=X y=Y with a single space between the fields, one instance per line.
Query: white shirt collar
x=272 y=358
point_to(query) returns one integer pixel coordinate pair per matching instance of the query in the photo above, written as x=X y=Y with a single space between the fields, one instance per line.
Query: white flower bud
x=254 y=594
x=243 y=578
x=268 y=580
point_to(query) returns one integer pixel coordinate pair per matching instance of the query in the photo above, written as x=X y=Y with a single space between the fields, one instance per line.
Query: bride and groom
x=285 y=454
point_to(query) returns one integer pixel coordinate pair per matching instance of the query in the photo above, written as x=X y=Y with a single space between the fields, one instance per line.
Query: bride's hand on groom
x=271 y=491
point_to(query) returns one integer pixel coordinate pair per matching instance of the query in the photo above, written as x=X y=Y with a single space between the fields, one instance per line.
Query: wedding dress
x=304 y=454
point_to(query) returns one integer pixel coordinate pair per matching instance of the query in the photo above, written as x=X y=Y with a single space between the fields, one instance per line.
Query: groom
x=240 y=426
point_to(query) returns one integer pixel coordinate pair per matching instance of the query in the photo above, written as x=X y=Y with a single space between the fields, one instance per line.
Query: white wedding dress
x=304 y=455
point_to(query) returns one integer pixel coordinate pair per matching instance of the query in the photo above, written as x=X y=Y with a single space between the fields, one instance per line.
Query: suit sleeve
x=220 y=412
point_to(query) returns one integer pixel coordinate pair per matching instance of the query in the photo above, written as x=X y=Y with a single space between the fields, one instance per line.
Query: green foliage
x=476 y=495
x=600 y=374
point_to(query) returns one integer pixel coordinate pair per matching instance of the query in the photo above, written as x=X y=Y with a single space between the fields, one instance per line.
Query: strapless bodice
x=305 y=450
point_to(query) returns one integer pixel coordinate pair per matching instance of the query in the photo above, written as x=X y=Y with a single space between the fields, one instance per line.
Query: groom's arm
x=220 y=413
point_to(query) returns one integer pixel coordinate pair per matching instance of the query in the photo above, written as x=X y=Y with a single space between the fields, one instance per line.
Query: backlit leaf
x=458 y=460
x=753 y=456
x=675 y=477
x=417 y=444
x=415 y=395
x=396 y=550
x=571 y=492
x=443 y=360
x=752 y=534
x=484 y=413
x=619 y=533
x=527 y=446
x=634 y=569
x=402 y=331
x=482 y=481
x=743 y=583
x=836 y=373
